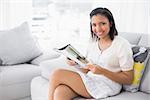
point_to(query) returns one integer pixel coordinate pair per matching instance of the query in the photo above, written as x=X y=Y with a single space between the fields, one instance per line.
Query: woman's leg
x=63 y=92
x=70 y=79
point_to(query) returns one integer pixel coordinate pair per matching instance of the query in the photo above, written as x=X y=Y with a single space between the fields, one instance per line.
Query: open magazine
x=70 y=52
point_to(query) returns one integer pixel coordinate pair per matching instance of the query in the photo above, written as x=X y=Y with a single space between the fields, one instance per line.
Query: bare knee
x=57 y=75
x=59 y=93
x=63 y=92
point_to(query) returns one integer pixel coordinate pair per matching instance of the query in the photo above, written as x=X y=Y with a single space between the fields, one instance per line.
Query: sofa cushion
x=145 y=40
x=49 y=66
x=47 y=55
x=141 y=56
x=145 y=86
x=16 y=74
x=123 y=96
x=39 y=88
x=17 y=45
x=133 y=38
x=17 y=78
x=15 y=91
x=130 y=96
x=39 y=91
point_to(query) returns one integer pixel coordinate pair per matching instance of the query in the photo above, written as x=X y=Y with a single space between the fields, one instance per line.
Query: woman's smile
x=99 y=33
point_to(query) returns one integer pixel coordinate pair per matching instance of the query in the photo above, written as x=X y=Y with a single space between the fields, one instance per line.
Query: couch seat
x=41 y=93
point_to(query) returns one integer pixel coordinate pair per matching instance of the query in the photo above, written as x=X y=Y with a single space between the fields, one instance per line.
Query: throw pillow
x=140 y=55
x=17 y=45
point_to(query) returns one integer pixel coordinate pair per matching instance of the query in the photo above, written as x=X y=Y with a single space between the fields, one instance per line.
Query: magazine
x=71 y=53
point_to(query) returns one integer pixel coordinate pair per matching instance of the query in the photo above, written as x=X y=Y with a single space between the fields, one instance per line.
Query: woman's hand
x=71 y=62
x=96 y=69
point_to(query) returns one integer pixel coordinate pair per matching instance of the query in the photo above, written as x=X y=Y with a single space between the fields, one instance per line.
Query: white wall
x=14 y=12
x=73 y=21
x=130 y=15
x=4 y=7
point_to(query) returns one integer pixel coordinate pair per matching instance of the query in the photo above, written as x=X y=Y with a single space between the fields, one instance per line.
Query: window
x=68 y=20
x=60 y=21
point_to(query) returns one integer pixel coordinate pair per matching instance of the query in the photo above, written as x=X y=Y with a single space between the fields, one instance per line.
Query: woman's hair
x=104 y=12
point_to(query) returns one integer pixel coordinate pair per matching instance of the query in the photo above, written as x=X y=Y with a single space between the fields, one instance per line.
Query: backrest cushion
x=141 y=40
x=145 y=82
x=140 y=55
x=133 y=38
x=145 y=87
x=145 y=40
x=17 y=45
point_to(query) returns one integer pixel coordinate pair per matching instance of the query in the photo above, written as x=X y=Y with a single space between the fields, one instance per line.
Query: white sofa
x=19 y=62
x=15 y=79
x=40 y=84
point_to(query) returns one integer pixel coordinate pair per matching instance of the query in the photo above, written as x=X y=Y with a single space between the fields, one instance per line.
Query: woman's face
x=100 y=26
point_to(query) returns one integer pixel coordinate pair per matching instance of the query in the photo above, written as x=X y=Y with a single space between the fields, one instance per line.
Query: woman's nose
x=98 y=28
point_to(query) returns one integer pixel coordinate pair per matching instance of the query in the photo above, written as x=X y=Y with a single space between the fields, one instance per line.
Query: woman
x=112 y=64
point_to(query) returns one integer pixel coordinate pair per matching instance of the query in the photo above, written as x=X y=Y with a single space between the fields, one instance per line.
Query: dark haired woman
x=112 y=64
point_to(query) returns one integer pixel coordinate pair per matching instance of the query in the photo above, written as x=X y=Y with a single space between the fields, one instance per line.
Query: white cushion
x=17 y=78
x=17 y=74
x=40 y=86
x=47 y=55
x=145 y=40
x=145 y=87
x=141 y=56
x=21 y=90
x=49 y=66
x=133 y=38
x=17 y=45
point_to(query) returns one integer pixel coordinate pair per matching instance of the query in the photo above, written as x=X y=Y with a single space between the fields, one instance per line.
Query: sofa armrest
x=47 y=55
x=47 y=67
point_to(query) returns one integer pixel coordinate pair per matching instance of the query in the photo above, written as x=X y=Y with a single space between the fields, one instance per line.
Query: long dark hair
x=104 y=12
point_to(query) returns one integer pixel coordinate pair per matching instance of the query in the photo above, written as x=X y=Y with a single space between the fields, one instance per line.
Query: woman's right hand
x=71 y=62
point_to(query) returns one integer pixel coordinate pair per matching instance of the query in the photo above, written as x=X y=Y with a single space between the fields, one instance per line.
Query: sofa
x=20 y=57
x=40 y=84
x=15 y=79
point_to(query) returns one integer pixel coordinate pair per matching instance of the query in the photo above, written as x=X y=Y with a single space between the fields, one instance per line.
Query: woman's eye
x=103 y=23
x=93 y=24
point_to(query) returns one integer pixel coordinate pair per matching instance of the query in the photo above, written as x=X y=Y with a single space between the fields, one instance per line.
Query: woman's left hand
x=96 y=69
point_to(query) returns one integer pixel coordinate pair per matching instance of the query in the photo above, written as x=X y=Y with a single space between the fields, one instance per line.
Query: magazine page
x=70 y=52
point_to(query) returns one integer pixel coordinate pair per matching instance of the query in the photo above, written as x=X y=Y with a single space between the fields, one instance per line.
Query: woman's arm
x=123 y=77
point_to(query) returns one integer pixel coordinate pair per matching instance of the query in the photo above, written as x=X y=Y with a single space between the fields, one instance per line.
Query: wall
x=68 y=20
x=14 y=12
x=130 y=15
